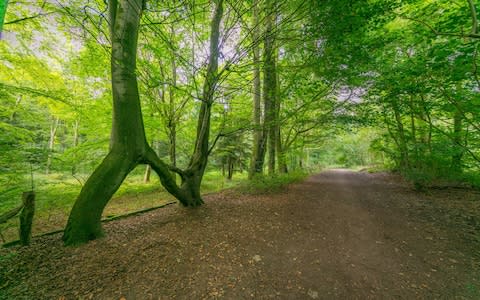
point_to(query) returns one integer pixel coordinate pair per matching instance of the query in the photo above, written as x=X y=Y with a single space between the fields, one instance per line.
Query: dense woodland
x=197 y=91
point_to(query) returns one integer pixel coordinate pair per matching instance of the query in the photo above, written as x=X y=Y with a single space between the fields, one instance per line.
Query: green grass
x=56 y=193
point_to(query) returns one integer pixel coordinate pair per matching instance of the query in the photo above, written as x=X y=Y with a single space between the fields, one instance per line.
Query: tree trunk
x=26 y=217
x=402 y=140
x=269 y=84
x=280 y=149
x=127 y=142
x=146 y=175
x=51 y=143
x=230 y=168
x=128 y=145
x=76 y=128
x=192 y=177
x=258 y=151
x=172 y=125
x=457 y=142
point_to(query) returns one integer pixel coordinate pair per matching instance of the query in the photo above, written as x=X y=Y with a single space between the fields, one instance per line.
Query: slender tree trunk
x=172 y=113
x=402 y=140
x=457 y=142
x=230 y=168
x=280 y=149
x=76 y=128
x=269 y=84
x=51 y=143
x=147 y=174
x=258 y=153
x=192 y=177
x=427 y=137
x=413 y=129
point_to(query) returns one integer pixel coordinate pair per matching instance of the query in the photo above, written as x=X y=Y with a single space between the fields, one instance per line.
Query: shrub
x=262 y=184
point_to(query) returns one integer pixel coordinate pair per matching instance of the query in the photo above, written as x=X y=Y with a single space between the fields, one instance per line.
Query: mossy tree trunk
x=128 y=145
x=269 y=84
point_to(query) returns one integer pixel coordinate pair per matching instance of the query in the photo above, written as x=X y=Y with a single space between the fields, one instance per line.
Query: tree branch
x=436 y=32
x=29 y=18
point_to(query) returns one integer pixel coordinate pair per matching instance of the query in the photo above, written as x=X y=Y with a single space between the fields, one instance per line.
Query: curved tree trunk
x=84 y=220
x=127 y=141
x=128 y=145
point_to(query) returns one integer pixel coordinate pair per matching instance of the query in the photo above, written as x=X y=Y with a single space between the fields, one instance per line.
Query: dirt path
x=339 y=234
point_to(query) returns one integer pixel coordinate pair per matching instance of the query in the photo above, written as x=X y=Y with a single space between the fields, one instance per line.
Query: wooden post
x=26 y=217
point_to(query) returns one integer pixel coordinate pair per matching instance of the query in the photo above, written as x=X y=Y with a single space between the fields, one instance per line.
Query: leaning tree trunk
x=192 y=177
x=128 y=145
x=127 y=141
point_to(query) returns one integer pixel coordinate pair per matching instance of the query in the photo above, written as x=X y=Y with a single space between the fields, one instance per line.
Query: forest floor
x=339 y=234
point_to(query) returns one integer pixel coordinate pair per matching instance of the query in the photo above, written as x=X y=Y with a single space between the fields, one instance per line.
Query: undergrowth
x=262 y=184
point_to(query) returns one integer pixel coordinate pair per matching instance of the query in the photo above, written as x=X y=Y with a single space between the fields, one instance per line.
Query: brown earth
x=338 y=235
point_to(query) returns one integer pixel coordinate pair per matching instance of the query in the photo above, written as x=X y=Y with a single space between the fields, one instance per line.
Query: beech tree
x=128 y=145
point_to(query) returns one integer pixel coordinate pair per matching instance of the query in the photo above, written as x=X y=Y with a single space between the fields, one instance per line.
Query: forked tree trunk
x=128 y=145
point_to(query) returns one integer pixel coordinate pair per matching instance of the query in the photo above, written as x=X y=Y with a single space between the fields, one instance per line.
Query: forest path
x=338 y=235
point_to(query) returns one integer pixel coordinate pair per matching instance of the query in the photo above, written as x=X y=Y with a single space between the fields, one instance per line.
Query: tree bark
x=457 y=142
x=192 y=177
x=128 y=145
x=26 y=217
x=269 y=84
x=258 y=151
x=127 y=142
x=230 y=164
x=280 y=148
x=172 y=120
